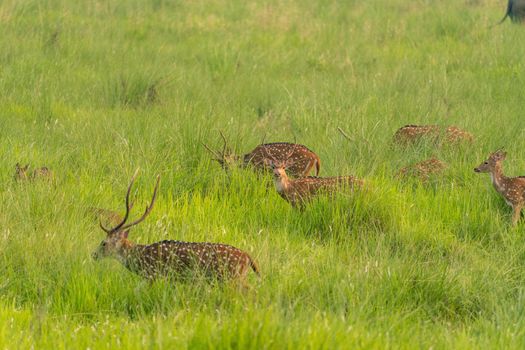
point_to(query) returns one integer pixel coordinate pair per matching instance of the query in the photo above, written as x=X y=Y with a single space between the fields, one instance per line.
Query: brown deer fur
x=23 y=173
x=410 y=134
x=298 y=191
x=422 y=170
x=511 y=188
x=304 y=159
x=172 y=258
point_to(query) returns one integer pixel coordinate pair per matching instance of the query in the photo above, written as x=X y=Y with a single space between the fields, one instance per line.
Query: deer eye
x=103 y=243
x=486 y=163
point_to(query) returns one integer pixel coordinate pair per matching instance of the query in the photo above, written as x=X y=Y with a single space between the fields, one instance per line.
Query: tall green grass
x=95 y=89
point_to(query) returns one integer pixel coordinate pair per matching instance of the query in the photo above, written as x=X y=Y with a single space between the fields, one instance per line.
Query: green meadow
x=95 y=89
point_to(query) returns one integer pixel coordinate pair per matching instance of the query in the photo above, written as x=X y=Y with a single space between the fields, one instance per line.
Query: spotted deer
x=23 y=173
x=511 y=188
x=422 y=170
x=172 y=259
x=298 y=191
x=411 y=134
x=304 y=159
x=453 y=135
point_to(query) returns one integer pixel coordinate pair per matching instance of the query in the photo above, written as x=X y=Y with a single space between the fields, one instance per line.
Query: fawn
x=171 y=258
x=410 y=134
x=298 y=191
x=511 y=188
x=22 y=173
x=304 y=158
x=422 y=170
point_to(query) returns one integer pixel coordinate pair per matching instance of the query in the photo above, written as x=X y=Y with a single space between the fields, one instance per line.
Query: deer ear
x=124 y=234
x=500 y=154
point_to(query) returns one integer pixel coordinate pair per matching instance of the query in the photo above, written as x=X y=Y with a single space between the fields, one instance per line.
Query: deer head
x=117 y=237
x=21 y=172
x=279 y=167
x=225 y=158
x=492 y=162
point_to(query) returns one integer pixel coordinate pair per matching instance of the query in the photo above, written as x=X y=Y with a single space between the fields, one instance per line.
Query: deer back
x=454 y=134
x=410 y=134
x=315 y=184
x=301 y=190
x=422 y=170
x=302 y=159
x=182 y=259
x=413 y=133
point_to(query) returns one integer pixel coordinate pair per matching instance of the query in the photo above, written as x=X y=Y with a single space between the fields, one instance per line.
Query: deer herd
x=290 y=164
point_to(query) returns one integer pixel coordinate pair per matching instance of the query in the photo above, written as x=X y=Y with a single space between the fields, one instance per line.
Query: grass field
x=95 y=89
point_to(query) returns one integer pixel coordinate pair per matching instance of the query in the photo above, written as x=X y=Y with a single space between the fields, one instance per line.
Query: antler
x=148 y=208
x=214 y=153
x=220 y=157
x=225 y=146
x=128 y=207
x=122 y=225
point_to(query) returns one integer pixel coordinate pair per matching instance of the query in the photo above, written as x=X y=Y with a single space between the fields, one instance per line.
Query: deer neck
x=498 y=179
x=128 y=253
x=282 y=183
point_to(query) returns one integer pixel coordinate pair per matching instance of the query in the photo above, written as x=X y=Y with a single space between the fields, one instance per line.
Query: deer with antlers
x=298 y=191
x=171 y=258
x=511 y=188
x=304 y=159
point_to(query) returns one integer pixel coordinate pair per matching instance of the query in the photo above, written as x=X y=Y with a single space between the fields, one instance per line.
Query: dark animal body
x=260 y=157
x=515 y=11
